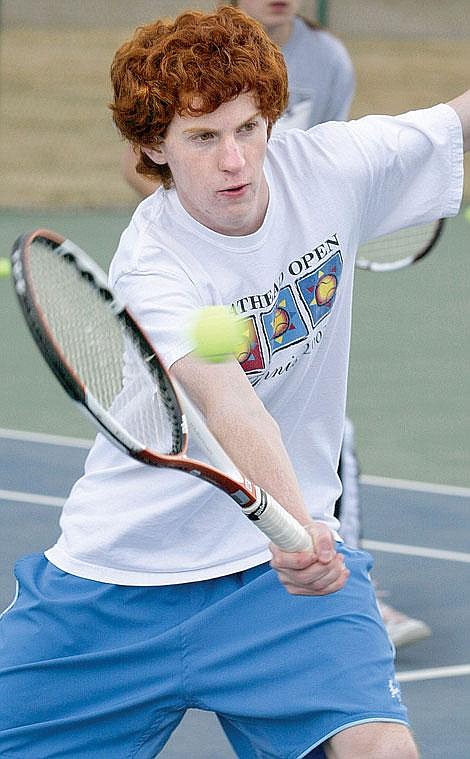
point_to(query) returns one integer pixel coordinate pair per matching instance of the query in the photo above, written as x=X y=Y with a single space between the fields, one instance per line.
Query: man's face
x=269 y=12
x=217 y=165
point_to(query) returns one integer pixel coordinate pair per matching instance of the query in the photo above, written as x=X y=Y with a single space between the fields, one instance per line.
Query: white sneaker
x=402 y=630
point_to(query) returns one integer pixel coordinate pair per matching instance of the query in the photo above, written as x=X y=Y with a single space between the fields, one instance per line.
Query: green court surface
x=410 y=363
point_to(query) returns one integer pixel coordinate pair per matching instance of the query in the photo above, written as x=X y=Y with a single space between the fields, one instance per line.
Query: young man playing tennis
x=159 y=595
x=321 y=87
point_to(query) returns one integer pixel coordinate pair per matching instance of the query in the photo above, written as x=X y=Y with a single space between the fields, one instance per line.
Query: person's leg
x=286 y=673
x=87 y=670
x=372 y=741
x=402 y=629
x=112 y=669
x=348 y=506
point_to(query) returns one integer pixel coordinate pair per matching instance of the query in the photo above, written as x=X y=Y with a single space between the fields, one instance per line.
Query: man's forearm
x=255 y=446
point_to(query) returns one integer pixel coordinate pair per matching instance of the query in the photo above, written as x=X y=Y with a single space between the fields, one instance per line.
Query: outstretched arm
x=252 y=439
x=461 y=106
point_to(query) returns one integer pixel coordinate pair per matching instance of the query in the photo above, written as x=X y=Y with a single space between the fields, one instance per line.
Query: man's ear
x=155 y=155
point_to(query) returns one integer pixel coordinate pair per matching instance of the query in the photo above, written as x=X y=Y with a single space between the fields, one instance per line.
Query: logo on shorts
x=394 y=689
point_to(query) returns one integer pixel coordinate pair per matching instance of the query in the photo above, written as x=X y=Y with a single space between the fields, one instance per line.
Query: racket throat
x=254 y=511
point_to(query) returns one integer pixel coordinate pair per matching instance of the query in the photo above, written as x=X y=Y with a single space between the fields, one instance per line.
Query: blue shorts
x=91 y=670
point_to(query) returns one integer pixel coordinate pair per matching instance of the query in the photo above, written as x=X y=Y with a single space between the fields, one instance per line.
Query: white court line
x=366 y=479
x=427 y=553
x=403 y=677
x=369 y=545
x=40 y=500
x=42 y=437
x=423 y=487
x=413 y=675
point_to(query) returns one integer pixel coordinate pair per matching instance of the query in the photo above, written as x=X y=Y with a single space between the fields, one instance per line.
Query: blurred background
x=60 y=167
x=58 y=145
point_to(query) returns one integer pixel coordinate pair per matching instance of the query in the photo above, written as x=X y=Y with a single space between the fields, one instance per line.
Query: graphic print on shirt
x=250 y=354
x=293 y=320
x=283 y=326
x=318 y=289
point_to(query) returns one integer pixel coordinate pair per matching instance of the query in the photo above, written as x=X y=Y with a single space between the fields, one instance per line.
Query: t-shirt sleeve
x=163 y=303
x=414 y=166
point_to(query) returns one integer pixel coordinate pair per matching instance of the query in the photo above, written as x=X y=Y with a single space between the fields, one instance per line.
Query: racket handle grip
x=277 y=524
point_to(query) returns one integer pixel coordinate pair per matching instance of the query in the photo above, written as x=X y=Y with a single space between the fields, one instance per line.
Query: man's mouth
x=234 y=191
x=276 y=7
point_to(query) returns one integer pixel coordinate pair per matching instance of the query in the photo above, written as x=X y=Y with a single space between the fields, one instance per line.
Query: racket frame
x=255 y=502
x=401 y=263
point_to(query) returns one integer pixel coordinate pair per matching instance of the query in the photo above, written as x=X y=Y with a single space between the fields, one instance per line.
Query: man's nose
x=231 y=156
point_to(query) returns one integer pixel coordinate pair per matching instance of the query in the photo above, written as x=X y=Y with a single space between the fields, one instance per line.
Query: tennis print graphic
x=283 y=326
x=295 y=314
x=250 y=355
x=319 y=288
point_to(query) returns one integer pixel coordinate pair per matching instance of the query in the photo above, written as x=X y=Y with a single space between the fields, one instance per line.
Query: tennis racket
x=106 y=364
x=399 y=249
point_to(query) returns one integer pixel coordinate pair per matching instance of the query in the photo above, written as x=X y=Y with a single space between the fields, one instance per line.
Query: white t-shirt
x=321 y=78
x=330 y=189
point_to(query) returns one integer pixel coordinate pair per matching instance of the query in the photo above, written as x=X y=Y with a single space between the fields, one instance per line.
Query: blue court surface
x=417 y=533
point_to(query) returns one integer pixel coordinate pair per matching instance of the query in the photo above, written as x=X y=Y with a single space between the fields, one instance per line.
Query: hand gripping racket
x=399 y=249
x=104 y=361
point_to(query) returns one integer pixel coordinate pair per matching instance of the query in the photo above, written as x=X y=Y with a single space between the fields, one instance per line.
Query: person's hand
x=311 y=573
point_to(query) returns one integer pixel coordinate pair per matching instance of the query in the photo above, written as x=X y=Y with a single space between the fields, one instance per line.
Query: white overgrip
x=277 y=524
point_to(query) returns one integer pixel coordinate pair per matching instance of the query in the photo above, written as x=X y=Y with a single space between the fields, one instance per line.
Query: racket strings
x=140 y=406
x=397 y=245
x=101 y=350
x=399 y=248
x=91 y=344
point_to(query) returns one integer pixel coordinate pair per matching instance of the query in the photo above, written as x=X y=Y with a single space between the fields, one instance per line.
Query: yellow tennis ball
x=466 y=214
x=217 y=333
x=5 y=267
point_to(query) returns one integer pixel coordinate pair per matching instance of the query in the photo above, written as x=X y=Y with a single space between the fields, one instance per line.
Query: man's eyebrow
x=201 y=129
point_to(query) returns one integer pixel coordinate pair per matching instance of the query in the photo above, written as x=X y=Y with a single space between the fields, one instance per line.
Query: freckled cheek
x=205 y=198
x=195 y=183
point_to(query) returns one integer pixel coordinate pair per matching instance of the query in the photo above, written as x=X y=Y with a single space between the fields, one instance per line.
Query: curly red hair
x=215 y=57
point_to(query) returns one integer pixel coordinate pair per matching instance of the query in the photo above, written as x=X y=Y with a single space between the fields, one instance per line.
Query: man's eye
x=203 y=137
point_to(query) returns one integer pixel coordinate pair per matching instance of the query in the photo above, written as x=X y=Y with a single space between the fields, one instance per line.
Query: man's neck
x=280 y=33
